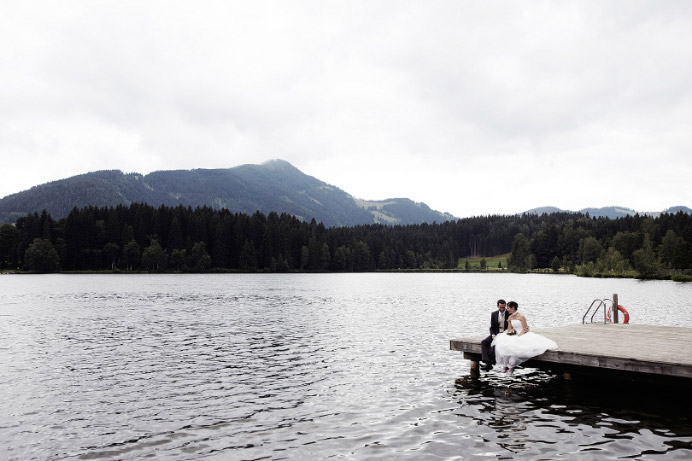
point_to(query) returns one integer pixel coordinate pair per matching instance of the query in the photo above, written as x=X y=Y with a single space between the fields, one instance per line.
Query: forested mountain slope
x=273 y=186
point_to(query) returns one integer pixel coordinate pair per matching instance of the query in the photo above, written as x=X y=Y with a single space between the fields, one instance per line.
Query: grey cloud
x=440 y=85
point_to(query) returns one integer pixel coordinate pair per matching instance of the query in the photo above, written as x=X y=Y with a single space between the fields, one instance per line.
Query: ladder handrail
x=605 y=310
x=601 y=302
x=583 y=319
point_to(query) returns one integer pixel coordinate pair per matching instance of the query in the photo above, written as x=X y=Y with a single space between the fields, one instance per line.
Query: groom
x=498 y=324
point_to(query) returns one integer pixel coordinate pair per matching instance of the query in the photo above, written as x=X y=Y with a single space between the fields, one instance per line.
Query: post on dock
x=615 y=308
x=475 y=369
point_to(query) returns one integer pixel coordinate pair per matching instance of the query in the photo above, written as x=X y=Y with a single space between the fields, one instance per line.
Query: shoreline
x=675 y=277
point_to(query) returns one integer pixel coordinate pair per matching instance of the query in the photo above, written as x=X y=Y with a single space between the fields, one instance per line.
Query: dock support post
x=475 y=369
x=615 y=308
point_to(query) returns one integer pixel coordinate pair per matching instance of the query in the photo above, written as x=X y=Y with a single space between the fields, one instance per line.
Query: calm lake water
x=305 y=366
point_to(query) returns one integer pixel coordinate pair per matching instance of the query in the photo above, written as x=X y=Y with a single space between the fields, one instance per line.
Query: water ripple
x=351 y=366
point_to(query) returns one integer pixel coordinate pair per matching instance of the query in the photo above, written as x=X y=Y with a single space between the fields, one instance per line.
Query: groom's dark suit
x=488 y=351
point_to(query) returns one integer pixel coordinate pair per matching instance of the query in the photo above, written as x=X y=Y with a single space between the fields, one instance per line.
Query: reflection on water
x=538 y=415
x=350 y=366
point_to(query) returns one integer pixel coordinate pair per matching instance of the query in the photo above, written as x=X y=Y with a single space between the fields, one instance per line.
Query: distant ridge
x=671 y=210
x=272 y=186
x=612 y=212
x=544 y=210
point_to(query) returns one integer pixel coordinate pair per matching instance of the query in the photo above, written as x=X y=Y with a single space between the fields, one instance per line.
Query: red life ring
x=621 y=309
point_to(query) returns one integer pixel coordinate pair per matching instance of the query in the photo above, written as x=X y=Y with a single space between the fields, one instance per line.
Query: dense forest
x=140 y=237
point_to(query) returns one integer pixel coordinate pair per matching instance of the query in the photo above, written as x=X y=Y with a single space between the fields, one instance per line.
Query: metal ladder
x=598 y=303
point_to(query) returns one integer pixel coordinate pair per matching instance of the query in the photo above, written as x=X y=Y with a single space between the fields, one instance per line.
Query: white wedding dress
x=512 y=350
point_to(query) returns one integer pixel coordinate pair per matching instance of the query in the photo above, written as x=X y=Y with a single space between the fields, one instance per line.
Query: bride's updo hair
x=513 y=305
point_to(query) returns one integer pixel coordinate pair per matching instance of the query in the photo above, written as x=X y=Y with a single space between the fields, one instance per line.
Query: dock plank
x=634 y=348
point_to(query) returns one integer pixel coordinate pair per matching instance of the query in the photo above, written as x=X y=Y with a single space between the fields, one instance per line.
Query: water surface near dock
x=355 y=366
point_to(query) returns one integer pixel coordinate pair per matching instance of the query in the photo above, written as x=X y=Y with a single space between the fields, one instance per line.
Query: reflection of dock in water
x=630 y=351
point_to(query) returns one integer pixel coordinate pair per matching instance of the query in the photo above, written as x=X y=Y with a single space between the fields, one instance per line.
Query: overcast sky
x=474 y=108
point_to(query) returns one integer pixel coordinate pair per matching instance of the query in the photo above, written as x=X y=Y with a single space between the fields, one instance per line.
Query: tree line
x=140 y=237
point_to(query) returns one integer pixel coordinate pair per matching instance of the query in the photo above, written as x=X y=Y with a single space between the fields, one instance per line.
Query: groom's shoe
x=487 y=367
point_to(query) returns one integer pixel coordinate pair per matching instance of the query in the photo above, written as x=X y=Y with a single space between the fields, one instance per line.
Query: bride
x=517 y=344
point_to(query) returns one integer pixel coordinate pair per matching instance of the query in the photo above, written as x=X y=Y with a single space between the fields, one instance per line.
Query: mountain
x=611 y=212
x=671 y=210
x=272 y=186
x=543 y=210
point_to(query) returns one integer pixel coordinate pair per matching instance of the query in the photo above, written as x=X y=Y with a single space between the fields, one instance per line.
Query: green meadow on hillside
x=492 y=263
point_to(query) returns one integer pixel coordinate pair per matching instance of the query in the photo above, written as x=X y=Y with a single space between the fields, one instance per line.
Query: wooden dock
x=634 y=351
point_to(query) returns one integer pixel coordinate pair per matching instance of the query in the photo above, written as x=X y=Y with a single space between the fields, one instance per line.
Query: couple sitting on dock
x=510 y=342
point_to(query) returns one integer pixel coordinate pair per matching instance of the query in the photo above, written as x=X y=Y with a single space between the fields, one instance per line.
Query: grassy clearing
x=491 y=262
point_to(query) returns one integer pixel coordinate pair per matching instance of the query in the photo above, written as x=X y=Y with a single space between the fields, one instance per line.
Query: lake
x=313 y=366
